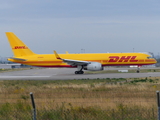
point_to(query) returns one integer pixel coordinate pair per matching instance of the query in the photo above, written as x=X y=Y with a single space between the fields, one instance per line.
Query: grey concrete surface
x=67 y=74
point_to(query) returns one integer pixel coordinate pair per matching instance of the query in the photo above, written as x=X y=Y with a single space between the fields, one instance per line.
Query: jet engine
x=94 y=66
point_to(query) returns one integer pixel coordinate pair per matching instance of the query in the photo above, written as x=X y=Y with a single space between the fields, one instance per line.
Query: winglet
x=57 y=56
x=67 y=52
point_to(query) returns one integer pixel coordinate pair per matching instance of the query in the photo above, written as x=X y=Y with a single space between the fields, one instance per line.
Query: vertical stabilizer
x=18 y=47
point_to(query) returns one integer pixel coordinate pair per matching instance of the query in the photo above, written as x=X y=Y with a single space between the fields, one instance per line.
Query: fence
x=88 y=100
x=23 y=109
x=89 y=113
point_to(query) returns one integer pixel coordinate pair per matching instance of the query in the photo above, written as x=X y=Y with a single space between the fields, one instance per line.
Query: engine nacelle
x=94 y=66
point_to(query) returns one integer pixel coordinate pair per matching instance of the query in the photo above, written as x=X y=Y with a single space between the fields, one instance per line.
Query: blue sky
x=98 y=26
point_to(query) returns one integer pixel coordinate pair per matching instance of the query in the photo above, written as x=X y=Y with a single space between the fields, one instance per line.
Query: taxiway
x=66 y=74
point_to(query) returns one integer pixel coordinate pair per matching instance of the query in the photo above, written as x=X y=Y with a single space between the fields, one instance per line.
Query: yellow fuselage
x=106 y=59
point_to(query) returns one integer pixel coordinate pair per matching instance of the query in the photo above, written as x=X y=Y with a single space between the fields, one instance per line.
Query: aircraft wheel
x=76 y=72
x=138 y=71
x=79 y=72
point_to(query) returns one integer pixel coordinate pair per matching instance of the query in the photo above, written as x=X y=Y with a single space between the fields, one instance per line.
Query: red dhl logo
x=20 y=47
x=122 y=59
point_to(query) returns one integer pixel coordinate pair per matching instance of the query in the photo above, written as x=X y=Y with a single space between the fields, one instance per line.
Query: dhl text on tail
x=93 y=62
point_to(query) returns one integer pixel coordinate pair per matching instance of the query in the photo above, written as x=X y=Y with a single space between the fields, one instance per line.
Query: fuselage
x=106 y=59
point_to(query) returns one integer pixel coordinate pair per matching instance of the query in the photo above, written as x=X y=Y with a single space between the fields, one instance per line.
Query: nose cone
x=155 y=61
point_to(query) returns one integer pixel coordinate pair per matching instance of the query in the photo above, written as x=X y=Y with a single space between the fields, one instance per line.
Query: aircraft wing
x=72 y=62
x=75 y=62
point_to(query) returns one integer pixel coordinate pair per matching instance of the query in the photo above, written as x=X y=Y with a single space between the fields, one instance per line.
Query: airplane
x=83 y=61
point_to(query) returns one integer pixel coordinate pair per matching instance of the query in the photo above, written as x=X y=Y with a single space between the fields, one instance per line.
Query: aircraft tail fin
x=18 y=47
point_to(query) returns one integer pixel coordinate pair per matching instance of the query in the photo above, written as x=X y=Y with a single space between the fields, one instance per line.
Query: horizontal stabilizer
x=18 y=59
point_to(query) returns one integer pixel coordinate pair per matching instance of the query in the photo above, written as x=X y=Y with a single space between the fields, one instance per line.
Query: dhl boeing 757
x=92 y=62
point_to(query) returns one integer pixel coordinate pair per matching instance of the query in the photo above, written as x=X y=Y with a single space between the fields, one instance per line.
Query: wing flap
x=75 y=62
x=71 y=62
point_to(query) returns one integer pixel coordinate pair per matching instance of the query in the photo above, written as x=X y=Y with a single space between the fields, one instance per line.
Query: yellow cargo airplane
x=93 y=62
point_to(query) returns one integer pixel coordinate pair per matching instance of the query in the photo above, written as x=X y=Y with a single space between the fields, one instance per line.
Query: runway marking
x=152 y=73
x=21 y=76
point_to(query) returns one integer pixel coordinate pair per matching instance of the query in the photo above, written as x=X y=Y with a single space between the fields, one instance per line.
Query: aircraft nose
x=155 y=61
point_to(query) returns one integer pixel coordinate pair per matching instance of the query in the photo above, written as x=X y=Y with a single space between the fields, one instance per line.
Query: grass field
x=108 y=99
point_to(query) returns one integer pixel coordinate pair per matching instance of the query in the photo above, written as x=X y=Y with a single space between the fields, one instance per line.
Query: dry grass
x=125 y=99
x=103 y=94
x=83 y=99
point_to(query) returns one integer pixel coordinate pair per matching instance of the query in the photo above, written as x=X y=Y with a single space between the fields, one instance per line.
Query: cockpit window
x=150 y=57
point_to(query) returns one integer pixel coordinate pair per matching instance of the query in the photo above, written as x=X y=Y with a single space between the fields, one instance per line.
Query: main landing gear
x=79 y=70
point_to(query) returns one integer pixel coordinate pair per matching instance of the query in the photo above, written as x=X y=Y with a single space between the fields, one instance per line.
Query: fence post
x=33 y=105
x=158 y=103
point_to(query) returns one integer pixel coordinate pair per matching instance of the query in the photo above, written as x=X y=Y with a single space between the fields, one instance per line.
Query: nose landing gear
x=138 y=69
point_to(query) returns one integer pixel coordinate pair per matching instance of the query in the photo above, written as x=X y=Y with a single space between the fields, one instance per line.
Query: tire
x=76 y=72
x=79 y=72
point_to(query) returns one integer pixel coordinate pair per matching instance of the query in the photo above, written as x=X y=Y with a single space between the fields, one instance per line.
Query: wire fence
x=41 y=109
x=77 y=114
x=78 y=100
